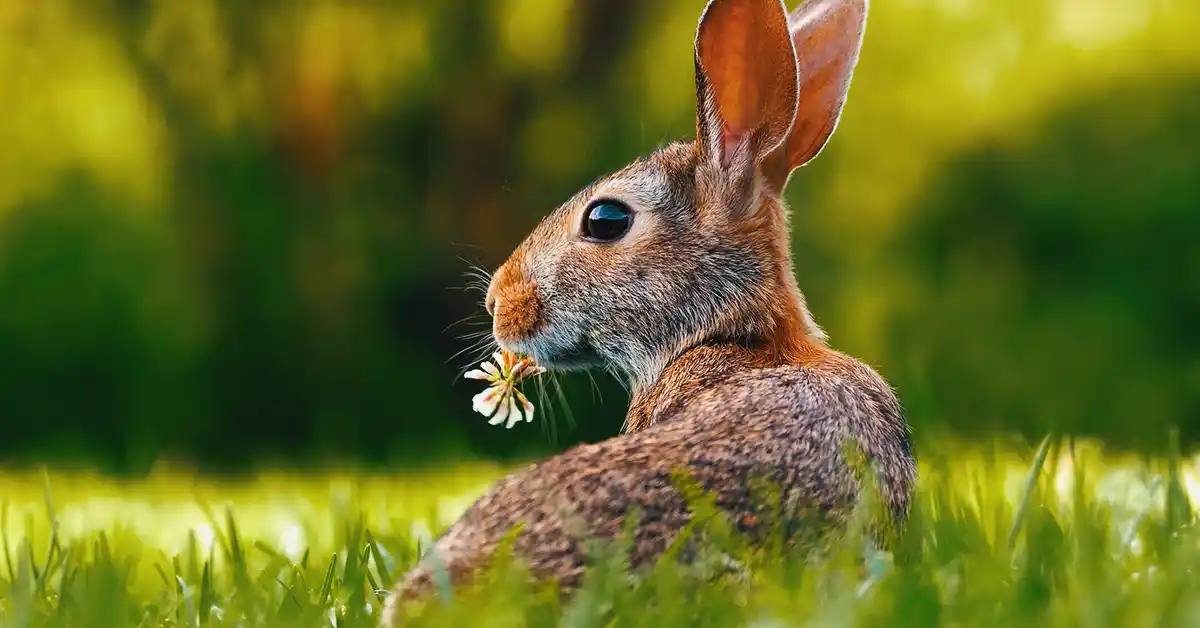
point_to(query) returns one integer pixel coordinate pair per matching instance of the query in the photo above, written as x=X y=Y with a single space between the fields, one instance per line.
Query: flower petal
x=502 y=412
x=490 y=369
x=477 y=374
x=526 y=369
x=485 y=402
x=514 y=415
x=517 y=369
x=528 y=408
x=529 y=370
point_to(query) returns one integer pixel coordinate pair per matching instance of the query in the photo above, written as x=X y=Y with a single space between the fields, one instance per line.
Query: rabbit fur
x=697 y=306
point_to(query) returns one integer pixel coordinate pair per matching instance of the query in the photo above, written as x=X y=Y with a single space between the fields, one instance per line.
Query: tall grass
x=1000 y=535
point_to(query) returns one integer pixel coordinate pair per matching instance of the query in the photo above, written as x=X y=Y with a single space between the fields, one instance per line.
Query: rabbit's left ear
x=827 y=36
x=746 y=83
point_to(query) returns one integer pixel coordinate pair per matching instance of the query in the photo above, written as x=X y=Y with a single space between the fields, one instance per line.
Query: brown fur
x=697 y=306
x=513 y=301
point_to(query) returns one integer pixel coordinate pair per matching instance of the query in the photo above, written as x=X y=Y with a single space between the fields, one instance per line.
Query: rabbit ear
x=746 y=84
x=827 y=35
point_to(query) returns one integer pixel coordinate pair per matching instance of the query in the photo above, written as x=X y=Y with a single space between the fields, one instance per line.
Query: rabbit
x=675 y=272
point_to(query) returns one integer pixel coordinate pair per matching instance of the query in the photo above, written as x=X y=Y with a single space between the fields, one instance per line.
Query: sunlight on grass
x=283 y=549
x=164 y=507
x=288 y=511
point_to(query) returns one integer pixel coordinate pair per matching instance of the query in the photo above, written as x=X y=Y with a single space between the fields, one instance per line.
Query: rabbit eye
x=606 y=221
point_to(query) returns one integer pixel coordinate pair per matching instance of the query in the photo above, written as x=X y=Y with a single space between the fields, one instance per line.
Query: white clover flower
x=502 y=402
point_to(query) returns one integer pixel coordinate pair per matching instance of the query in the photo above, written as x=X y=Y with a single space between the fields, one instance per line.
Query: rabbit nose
x=489 y=303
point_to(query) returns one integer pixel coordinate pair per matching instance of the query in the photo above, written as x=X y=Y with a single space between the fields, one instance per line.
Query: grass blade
x=12 y=573
x=1035 y=471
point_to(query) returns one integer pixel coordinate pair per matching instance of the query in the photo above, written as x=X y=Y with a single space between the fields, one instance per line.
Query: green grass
x=1000 y=535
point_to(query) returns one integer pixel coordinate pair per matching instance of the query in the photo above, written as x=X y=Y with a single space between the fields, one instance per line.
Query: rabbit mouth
x=558 y=354
x=579 y=356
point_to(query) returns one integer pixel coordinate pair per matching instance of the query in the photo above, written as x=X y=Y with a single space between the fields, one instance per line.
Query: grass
x=1001 y=534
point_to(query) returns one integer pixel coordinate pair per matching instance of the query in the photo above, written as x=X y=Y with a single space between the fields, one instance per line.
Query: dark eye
x=606 y=221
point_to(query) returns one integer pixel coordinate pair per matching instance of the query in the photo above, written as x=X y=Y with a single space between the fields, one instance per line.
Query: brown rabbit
x=676 y=273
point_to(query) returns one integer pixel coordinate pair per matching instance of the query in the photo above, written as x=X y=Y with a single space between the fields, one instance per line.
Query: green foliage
x=1052 y=554
x=231 y=231
x=1055 y=274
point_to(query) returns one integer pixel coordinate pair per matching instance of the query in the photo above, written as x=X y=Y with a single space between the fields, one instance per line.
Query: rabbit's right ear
x=746 y=84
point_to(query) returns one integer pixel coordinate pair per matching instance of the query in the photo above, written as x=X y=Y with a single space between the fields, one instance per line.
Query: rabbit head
x=690 y=244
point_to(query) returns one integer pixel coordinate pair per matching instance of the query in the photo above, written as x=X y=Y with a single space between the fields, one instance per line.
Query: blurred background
x=235 y=233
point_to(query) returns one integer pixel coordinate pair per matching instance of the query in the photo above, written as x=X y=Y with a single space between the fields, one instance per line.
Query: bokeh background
x=235 y=233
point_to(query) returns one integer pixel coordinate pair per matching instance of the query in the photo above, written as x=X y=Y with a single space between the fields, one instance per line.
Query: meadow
x=235 y=232
x=1061 y=534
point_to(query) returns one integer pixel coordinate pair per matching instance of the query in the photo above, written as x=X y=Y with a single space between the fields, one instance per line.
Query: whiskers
x=556 y=407
x=478 y=278
x=547 y=390
x=480 y=343
x=480 y=346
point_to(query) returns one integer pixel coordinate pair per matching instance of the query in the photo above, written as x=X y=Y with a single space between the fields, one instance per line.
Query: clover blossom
x=502 y=402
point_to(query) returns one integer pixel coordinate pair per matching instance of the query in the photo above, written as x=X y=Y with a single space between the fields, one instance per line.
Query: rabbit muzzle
x=514 y=303
x=521 y=321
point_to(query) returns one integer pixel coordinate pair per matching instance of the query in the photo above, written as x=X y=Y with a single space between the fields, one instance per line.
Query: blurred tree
x=1060 y=275
x=234 y=231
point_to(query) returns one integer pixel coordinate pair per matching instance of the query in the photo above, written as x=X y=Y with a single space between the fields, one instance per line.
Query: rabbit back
x=787 y=425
